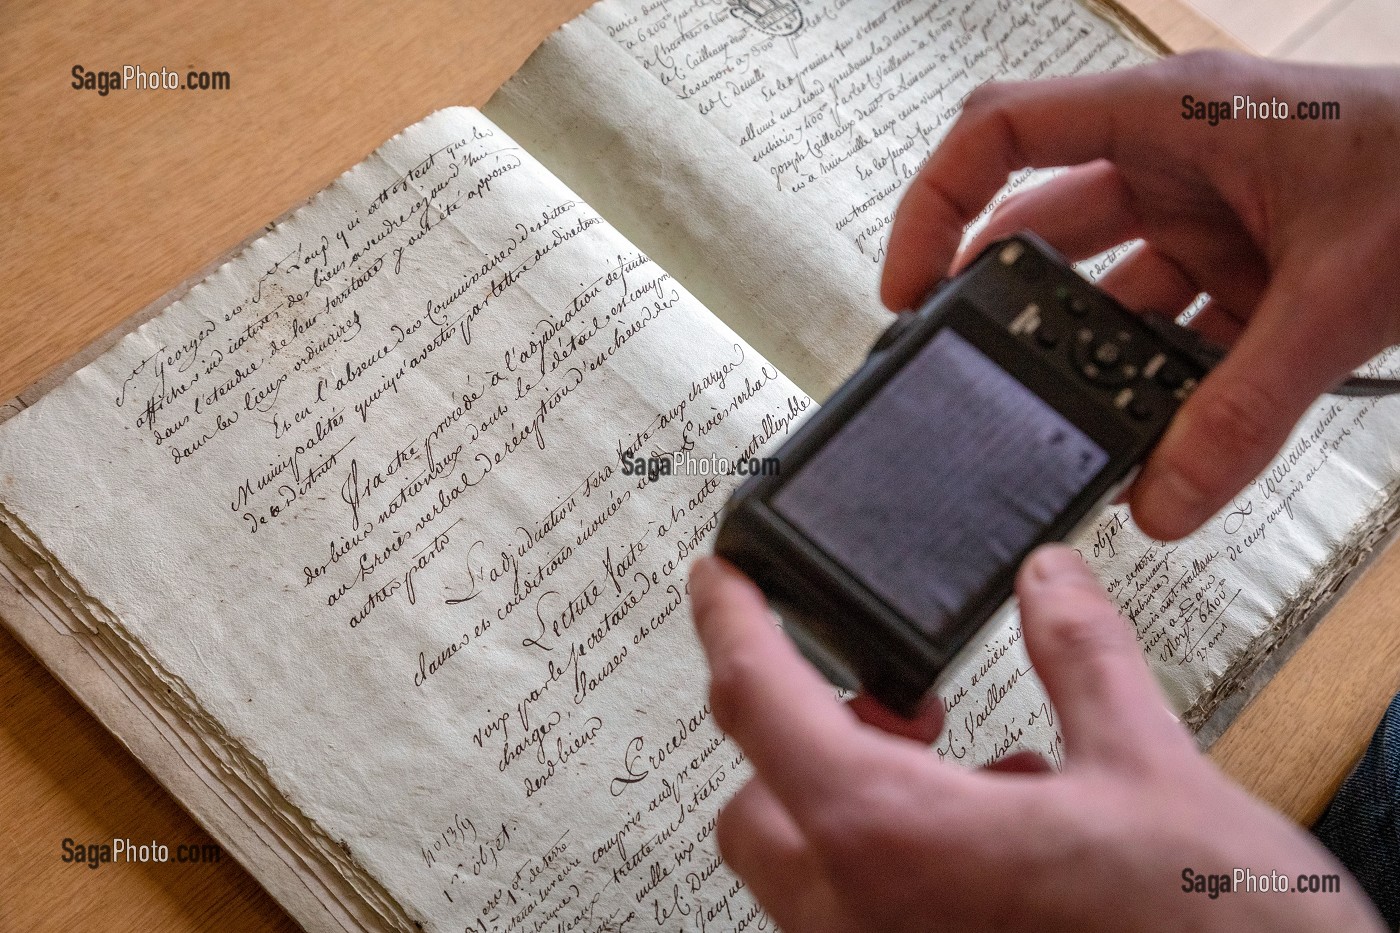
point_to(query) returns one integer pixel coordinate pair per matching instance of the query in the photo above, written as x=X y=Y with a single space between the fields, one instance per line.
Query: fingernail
x=1056 y=563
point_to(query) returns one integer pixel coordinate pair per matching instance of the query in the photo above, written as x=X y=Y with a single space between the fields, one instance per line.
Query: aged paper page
x=840 y=103
x=820 y=113
x=356 y=510
x=763 y=262
x=777 y=135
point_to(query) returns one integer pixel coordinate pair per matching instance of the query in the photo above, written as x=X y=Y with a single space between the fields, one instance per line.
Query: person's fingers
x=760 y=841
x=1218 y=326
x=1081 y=212
x=924 y=728
x=1147 y=280
x=1238 y=418
x=1109 y=706
x=801 y=740
x=1002 y=128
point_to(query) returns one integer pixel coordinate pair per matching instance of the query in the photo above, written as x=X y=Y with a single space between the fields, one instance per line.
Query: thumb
x=1227 y=432
x=1088 y=658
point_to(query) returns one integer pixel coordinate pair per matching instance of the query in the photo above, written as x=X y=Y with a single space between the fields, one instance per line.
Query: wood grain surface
x=108 y=201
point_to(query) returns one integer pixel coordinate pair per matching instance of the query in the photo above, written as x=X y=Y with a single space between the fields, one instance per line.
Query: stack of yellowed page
x=339 y=542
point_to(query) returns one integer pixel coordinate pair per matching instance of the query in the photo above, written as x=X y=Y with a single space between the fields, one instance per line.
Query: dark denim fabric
x=1362 y=824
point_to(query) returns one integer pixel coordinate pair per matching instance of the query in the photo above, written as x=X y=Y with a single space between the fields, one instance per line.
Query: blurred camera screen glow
x=942 y=480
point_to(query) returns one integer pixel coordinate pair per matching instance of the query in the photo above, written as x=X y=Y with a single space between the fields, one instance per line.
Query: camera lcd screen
x=941 y=481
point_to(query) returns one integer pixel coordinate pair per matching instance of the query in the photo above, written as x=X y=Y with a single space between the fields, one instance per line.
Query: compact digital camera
x=1001 y=414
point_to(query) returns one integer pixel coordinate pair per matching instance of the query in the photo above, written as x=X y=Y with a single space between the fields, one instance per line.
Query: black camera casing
x=1110 y=373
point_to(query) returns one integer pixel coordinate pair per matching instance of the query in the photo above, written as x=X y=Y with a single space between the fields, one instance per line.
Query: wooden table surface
x=108 y=201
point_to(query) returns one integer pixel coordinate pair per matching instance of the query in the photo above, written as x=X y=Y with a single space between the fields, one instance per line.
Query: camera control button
x=1171 y=375
x=1137 y=408
x=1108 y=353
x=1070 y=302
x=1102 y=360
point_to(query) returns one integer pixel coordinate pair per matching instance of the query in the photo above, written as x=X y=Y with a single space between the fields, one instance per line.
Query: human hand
x=1290 y=226
x=850 y=823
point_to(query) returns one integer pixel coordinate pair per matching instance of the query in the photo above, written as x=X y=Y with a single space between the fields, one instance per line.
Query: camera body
x=1001 y=414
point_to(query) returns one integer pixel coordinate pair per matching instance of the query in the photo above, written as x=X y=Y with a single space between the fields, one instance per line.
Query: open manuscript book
x=337 y=539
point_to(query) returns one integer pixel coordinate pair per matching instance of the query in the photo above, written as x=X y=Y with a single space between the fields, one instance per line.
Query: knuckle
x=865 y=820
x=987 y=115
x=986 y=95
x=1084 y=628
x=1243 y=418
